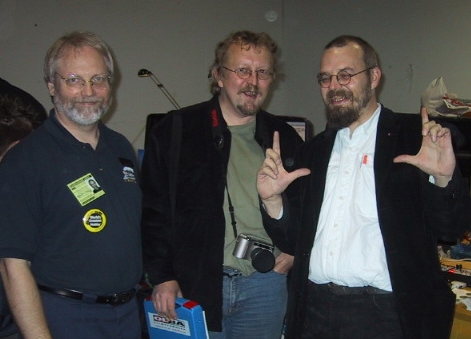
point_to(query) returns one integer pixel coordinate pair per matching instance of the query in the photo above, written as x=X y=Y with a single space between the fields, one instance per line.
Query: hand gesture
x=273 y=179
x=436 y=156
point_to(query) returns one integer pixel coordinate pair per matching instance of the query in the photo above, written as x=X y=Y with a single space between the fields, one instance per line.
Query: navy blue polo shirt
x=75 y=236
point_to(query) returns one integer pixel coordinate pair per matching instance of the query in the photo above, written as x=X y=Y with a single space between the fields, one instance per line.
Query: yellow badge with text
x=94 y=220
x=86 y=189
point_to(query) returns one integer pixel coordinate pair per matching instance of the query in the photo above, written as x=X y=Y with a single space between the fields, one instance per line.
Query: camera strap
x=231 y=212
x=218 y=139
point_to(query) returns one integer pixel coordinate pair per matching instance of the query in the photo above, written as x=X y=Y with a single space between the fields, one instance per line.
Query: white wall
x=417 y=41
x=175 y=39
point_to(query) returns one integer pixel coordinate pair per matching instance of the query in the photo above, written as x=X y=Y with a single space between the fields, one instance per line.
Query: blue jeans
x=253 y=307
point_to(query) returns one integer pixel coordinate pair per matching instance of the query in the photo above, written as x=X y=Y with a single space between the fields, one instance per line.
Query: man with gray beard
x=70 y=255
x=380 y=188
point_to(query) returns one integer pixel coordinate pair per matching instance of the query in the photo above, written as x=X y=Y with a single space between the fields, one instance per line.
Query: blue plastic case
x=191 y=322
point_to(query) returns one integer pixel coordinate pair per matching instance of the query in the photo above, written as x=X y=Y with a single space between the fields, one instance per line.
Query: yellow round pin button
x=94 y=220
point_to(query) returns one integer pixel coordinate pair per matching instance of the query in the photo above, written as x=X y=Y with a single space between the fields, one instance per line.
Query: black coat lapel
x=386 y=137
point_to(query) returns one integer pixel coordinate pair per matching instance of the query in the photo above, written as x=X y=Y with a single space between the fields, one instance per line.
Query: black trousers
x=344 y=313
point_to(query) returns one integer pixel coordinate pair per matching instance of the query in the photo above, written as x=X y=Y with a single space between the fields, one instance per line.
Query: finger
x=276 y=143
x=403 y=158
x=434 y=131
x=164 y=304
x=424 y=115
x=274 y=158
x=444 y=131
x=267 y=171
x=301 y=172
x=171 y=309
x=425 y=121
x=154 y=302
x=166 y=308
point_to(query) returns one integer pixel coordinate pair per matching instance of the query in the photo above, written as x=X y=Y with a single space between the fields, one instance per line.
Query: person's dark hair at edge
x=17 y=119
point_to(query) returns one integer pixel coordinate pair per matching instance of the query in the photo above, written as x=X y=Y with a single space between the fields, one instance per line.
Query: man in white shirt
x=366 y=263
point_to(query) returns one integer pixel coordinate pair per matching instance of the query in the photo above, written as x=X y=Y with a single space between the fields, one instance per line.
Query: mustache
x=88 y=100
x=250 y=88
x=339 y=92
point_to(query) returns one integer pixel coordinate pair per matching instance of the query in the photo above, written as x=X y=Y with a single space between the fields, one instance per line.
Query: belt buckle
x=115 y=299
x=122 y=298
x=345 y=290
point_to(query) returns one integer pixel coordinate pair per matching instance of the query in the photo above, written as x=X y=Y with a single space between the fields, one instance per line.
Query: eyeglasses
x=245 y=73
x=98 y=81
x=343 y=77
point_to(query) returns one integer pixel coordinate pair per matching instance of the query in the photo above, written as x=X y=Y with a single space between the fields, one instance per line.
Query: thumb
x=301 y=172
x=408 y=159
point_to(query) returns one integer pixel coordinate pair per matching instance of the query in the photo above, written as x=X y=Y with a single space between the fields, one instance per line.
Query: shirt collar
x=368 y=127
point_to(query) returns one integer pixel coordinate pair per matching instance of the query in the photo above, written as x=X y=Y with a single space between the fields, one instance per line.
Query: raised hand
x=436 y=156
x=273 y=179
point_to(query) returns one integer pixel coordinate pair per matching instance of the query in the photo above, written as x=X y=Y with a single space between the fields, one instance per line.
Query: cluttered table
x=462 y=321
x=459 y=272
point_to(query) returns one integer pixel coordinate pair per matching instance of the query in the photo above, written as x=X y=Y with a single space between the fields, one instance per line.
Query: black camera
x=260 y=252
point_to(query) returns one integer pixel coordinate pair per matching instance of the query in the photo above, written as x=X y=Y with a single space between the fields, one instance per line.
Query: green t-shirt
x=245 y=160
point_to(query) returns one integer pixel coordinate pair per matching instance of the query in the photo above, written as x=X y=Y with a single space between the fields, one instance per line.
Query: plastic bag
x=438 y=101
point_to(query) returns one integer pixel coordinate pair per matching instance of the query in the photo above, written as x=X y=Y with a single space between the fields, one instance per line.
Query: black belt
x=345 y=290
x=112 y=299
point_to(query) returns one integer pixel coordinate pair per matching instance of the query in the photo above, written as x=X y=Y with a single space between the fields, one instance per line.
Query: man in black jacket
x=199 y=172
x=382 y=187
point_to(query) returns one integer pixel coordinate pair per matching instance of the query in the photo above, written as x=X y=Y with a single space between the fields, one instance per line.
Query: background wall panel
x=417 y=41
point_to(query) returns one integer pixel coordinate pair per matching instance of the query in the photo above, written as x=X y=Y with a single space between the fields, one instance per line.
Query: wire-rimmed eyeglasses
x=98 y=81
x=343 y=77
x=245 y=73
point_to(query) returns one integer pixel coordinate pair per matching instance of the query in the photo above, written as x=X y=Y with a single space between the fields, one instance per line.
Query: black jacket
x=412 y=214
x=187 y=246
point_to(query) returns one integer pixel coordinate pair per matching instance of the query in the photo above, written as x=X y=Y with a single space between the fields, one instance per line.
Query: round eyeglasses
x=98 y=81
x=245 y=73
x=343 y=77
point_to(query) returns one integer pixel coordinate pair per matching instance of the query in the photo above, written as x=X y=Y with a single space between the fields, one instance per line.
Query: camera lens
x=262 y=260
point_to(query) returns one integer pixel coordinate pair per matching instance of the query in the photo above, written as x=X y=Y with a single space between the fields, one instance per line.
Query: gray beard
x=248 y=112
x=87 y=118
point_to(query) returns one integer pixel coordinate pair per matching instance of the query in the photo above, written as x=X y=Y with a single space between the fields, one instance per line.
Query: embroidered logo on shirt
x=129 y=175
x=128 y=170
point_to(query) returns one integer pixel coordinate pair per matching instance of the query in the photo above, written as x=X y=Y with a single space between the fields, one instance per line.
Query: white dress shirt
x=348 y=248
